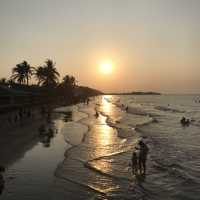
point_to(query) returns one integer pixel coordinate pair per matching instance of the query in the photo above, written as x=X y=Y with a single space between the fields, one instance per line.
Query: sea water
x=95 y=152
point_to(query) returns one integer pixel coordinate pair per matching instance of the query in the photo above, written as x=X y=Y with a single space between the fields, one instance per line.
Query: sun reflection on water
x=106 y=132
x=104 y=138
x=105 y=105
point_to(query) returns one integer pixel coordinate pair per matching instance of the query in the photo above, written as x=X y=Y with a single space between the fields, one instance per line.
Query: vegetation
x=47 y=75
x=136 y=93
x=3 y=81
x=46 y=85
x=22 y=73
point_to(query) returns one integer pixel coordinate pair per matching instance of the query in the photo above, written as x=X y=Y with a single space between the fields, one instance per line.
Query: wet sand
x=18 y=139
x=31 y=159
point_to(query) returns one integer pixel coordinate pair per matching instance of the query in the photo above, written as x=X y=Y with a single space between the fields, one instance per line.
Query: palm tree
x=22 y=72
x=40 y=74
x=51 y=74
x=69 y=81
x=67 y=86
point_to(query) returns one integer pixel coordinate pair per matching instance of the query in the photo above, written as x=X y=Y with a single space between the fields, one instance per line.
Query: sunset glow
x=106 y=67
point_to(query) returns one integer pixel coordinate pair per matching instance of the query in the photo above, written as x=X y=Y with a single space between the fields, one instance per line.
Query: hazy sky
x=154 y=44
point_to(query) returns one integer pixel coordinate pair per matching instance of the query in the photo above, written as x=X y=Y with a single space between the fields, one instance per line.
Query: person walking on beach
x=143 y=151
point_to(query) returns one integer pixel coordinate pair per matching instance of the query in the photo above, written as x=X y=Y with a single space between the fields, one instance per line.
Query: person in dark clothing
x=134 y=160
x=143 y=152
x=96 y=114
x=185 y=122
x=88 y=101
x=20 y=114
x=2 y=182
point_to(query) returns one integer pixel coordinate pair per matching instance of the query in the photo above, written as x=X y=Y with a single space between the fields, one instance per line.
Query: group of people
x=22 y=113
x=139 y=158
x=185 y=122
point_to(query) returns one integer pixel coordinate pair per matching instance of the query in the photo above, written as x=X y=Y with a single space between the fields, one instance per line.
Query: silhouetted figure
x=126 y=108
x=20 y=114
x=15 y=119
x=88 y=101
x=49 y=116
x=143 y=151
x=96 y=114
x=42 y=130
x=2 y=182
x=29 y=114
x=43 y=111
x=185 y=122
x=134 y=160
x=46 y=141
x=50 y=132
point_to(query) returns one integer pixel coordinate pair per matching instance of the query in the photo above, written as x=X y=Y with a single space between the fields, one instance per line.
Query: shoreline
x=20 y=136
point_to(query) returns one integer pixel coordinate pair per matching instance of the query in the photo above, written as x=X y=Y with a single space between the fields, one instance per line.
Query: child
x=134 y=162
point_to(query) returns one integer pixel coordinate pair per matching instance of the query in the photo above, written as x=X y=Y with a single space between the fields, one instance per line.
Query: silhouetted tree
x=40 y=75
x=22 y=72
x=10 y=82
x=67 y=86
x=69 y=81
x=3 y=81
x=48 y=74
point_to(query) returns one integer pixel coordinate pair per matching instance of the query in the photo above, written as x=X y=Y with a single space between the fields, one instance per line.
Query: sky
x=154 y=45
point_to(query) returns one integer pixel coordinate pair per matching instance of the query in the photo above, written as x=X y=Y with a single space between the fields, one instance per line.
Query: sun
x=106 y=67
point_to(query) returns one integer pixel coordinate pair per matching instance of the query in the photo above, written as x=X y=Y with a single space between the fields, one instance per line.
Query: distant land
x=135 y=93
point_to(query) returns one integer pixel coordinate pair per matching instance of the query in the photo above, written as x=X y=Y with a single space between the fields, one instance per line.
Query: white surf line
x=108 y=155
x=86 y=163
x=89 y=166
x=73 y=145
x=85 y=124
x=111 y=154
x=80 y=121
x=138 y=127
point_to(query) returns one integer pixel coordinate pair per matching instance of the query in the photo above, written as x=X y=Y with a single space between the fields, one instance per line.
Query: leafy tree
x=22 y=73
x=69 y=81
x=3 y=81
x=40 y=74
x=47 y=75
x=67 y=86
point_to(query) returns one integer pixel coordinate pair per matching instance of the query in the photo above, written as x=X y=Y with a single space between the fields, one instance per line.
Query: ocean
x=90 y=156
